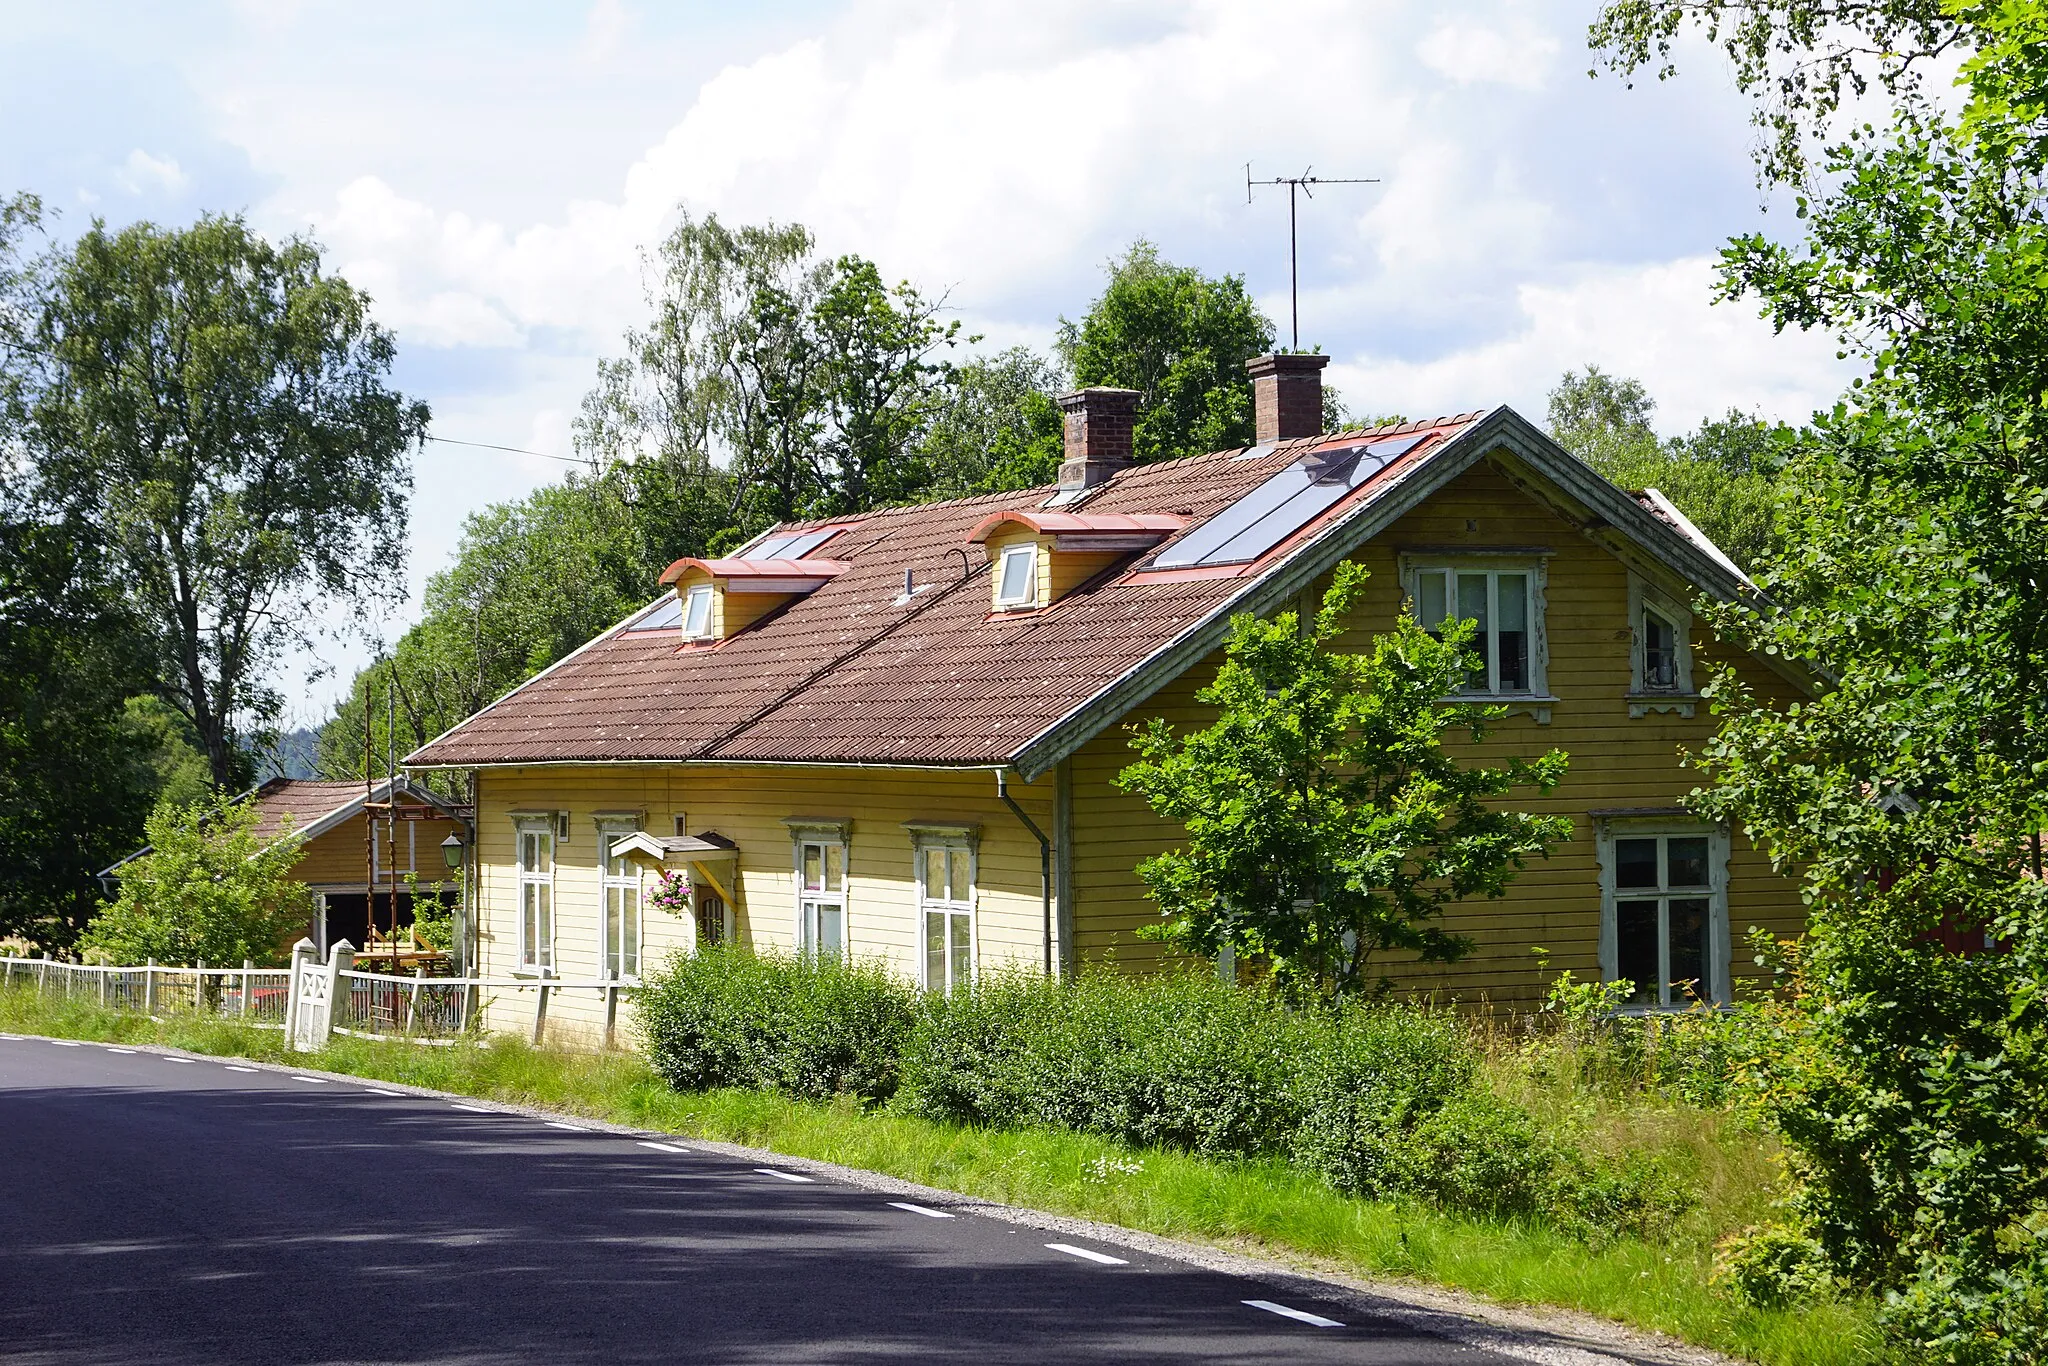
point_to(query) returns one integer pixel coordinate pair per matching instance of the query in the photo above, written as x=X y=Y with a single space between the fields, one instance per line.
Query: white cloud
x=142 y=173
x=1649 y=322
x=1517 y=55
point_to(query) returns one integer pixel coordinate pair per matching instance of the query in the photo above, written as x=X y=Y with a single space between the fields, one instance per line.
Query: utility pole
x=1303 y=183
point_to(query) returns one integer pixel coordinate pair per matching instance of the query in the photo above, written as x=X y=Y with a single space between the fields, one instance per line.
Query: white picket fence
x=249 y=994
x=312 y=999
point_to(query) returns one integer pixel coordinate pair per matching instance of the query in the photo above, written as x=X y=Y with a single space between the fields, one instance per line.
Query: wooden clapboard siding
x=749 y=805
x=338 y=858
x=1616 y=761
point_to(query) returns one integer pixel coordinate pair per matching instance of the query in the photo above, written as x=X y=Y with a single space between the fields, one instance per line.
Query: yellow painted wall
x=748 y=805
x=1616 y=762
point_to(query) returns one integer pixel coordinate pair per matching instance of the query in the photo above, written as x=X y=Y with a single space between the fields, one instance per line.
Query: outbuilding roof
x=862 y=672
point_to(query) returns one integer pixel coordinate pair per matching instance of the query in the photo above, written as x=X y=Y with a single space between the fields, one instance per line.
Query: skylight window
x=792 y=545
x=665 y=615
x=1284 y=504
x=1017 y=577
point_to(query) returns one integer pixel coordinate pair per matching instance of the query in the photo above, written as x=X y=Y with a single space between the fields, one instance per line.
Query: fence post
x=199 y=988
x=248 y=966
x=304 y=953
x=149 y=987
x=611 y=1012
x=43 y=974
x=412 y=1007
x=540 y=1014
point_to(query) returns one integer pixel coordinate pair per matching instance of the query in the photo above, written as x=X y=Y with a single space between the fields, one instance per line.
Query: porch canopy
x=710 y=855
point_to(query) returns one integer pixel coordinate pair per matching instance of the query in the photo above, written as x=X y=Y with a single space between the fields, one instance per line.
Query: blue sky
x=491 y=172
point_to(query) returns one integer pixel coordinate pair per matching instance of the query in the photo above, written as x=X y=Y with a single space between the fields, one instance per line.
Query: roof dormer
x=1038 y=555
x=720 y=598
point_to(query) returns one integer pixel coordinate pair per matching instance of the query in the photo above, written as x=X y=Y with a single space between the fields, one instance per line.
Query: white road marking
x=786 y=1176
x=67 y=1043
x=168 y=1058
x=1087 y=1254
x=473 y=1109
x=317 y=1081
x=572 y=1128
x=926 y=1211
x=233 y=1068
x=375 y=1092
x=11 y=1038
x=1299 y=1315
x=127 y=1051
x=661 y=1147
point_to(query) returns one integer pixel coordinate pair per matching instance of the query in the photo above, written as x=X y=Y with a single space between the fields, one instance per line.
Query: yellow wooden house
x=897 y=735
x=365 y=851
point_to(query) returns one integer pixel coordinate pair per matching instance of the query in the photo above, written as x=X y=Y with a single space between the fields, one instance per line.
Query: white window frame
x=631 y=883
x=534 y=956
x=696 y=596
x=1608 y=830
x=825 y=836
x=955 y=841
x=380 y=860
x=1643 y=698
x=1026 y=552
x=1534 y=564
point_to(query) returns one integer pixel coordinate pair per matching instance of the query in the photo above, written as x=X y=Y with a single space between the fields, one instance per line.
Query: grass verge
x=1265 y=1210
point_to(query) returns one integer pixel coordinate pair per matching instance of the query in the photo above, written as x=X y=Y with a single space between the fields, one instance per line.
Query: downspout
x=1044 y=860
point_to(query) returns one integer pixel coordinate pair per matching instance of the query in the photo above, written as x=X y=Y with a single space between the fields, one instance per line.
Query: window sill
x=1534 y=704
x=1641 y=704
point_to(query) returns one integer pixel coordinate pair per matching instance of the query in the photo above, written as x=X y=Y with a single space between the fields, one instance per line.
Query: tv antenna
x=1304 y=183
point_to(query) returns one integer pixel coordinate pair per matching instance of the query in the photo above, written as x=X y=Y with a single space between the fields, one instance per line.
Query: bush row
x=1383 y=1100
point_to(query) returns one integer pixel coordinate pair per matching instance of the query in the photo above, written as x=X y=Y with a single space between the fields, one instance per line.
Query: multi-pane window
x=697 y=612
x=537 y=895
x=1665 y=909
x=945 y=893
x=1502 y=603
x=821 y=897
x=619 y=914
x=1017 y=577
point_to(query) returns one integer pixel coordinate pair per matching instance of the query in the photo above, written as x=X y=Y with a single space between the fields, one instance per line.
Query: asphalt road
x=163 y=1209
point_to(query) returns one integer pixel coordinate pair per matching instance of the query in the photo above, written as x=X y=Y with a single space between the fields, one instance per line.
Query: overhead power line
x=515 y=450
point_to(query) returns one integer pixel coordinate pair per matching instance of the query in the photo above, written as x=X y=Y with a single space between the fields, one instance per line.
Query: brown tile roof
x=301 y=799
x=856 y=672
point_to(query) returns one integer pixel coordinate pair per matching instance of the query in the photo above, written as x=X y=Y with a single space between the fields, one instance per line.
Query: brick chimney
x=1287 y=396
x=1097 y=430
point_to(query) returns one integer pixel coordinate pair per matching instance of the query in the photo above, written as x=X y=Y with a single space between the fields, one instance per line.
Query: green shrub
x=1773 y=1266
x=814 y=1029
x=1181 y=1061
x=1382 y=1100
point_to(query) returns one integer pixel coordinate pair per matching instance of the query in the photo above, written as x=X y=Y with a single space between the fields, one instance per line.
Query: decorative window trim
x=531 y=961
x=610 y=823
x=1024 y=550
x=1642 y=698
x=1534 y=561
x=926 y=836
x=1606 y=830
x=821 y=830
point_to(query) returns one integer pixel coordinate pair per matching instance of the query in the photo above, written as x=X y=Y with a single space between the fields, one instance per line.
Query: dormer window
x=1017 y=576
x=697 y=612
x=1038 y=555
x=717 y=599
